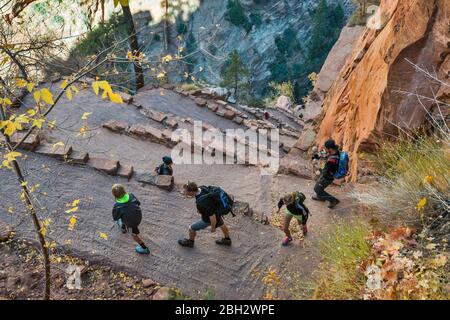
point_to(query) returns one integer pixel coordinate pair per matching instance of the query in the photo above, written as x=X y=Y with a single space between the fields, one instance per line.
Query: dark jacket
x=130 y=212
x=206 y=206
x=297 y=208
x=164 y=170
x=331 y=167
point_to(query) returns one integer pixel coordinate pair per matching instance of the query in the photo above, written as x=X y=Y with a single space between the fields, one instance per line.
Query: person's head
x=289 y=198
x=190 y=189
x=331 y=146
x=118 y=191
x=167 y=160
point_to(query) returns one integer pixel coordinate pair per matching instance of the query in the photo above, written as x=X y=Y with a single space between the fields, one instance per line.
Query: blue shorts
x=200 y=224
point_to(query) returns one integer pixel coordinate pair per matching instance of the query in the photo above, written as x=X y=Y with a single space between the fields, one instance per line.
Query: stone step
x=116 y=126
x=125 y=171
x=58 y=152
x=30 y=143
x=165 y=182
x=78 y=157
x=107 y=166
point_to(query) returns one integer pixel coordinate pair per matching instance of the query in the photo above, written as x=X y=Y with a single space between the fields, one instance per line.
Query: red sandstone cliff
x=365 y=104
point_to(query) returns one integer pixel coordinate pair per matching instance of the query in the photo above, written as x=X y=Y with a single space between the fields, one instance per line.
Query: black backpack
x=214 y=200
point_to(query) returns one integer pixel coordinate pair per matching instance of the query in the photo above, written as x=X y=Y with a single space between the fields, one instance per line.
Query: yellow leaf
x=116 y=2
x=10 y=128
x=167 y=58
x=69 y=94
x=124 y=2
x=74 y=209
x=74 y=88
x=75 y=202
x=428 y=179
x=31 y=112
x=85 y=115
x=104 y=236
x=47 y=96
x=38 y=123
x=104 y=85
x=161 y=75
x=72 y=222
x=37 y=96
x=21 y=83
x=95 y=87
x=63 y=84
x=6 y=102
x=30 y=86
x=51 y=124
x=115 y=97
x=421 y=204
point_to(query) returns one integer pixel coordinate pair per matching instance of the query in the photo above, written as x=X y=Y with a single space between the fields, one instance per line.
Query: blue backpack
x=216 y=199
x=343 y=165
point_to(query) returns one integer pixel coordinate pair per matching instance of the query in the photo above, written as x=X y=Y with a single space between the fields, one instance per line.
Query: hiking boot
x=186 y=243
x=224 y=242
x=141 y=250
x=315 y=198
x=286 y=241
x=305 y=230
x=333 y=204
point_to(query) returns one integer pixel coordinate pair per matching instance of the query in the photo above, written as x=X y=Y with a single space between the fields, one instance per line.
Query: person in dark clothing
x=266 y=115
x=209 y=218
x=166 y=167
x=295 y=208
x=327 y=174
x=128 y=215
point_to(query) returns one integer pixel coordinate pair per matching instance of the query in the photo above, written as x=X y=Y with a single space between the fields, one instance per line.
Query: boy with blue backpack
x=212 y=204
x=336 y=167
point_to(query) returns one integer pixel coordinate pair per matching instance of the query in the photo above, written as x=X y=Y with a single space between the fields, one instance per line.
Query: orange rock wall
x=370 y=100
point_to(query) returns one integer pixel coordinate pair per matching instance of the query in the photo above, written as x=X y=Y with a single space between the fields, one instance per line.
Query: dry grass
x=344 y=249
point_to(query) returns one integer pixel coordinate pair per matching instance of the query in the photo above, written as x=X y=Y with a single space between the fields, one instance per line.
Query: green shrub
x=156 y=37
x=236 y=15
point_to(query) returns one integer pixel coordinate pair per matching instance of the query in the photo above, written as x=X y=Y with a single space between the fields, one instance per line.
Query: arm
x=280 y=204
x=213 y=221
x=116 y=214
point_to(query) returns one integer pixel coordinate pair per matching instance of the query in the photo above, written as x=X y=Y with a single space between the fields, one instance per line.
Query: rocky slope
x=376 y=90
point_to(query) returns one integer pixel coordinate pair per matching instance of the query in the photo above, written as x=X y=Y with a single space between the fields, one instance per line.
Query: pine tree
x=235 y=73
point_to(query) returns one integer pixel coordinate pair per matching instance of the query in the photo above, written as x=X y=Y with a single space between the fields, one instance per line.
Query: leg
x=287 y=222
x=193 y=228
x=302 y=225
x=192 y=234
x=319 y=188
x=141 y=247
x=226 y=233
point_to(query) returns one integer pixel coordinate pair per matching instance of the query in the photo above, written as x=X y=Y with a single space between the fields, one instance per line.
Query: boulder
x=240 y=207
x=229 y=114
x=200 y=102
x=58 y=152
x=105 y=165
x=283 y=102
x=221 y=102
x=125 y=171
x=213 y=106
x=78 y=157
x=220 y=112
x=145 y=177
x=163 y=293
x=306 y=140
x=30 y=143
x=6 y=232
x=296 y=166
x=154 y=134
x=116 y=126
x=126 y=97
x=164 y=182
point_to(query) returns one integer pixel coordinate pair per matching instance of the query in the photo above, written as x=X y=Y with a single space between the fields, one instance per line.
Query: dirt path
x=227 y=271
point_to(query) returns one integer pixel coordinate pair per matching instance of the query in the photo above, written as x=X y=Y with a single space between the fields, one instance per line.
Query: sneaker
x=186 y=243
x=286 y=241
x=305 y=230
x=224 y=242
x=333 y=204
x=141 y=250
x=315 y=198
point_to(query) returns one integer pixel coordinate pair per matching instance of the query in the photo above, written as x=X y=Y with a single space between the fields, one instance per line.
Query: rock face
x=330 y=70
x=367 y=101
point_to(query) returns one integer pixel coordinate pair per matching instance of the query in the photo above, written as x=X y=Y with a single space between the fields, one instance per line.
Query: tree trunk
x=103 y=10
x=165 y=26
x=32 y=212
x=134 y=45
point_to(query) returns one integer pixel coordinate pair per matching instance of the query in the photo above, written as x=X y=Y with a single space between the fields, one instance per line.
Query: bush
x=344 y=248
x=156 y=37
x=255 y=19
x=283 y=89
x=189 y=87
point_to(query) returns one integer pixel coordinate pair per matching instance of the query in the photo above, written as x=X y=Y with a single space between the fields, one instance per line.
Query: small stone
x=165 y=182
x=58 y=152
x=162 y=294
x=200 y=102
x=157 y=116
x=146 y=283
x=238 y=120
x=213 y=106
x=220 y=112
x=221 y=102
x=229 y=114
x=171 y=122
x=138 y=130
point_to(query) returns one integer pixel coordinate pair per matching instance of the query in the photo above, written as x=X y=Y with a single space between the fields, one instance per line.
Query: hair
x=191 y=186
x=330 y=144
x=167 y=160
x=289 y=198
x=118 y=191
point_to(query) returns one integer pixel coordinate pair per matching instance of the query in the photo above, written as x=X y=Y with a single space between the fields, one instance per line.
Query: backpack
x=164 y=170
x=343 y=165
x=215 y=198
x=294 y=197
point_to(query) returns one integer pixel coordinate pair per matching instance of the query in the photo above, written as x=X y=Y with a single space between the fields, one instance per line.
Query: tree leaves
x=85 y=115
x=103 y=235
x=47 y=96
x=107 y=91
x=10 y=157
